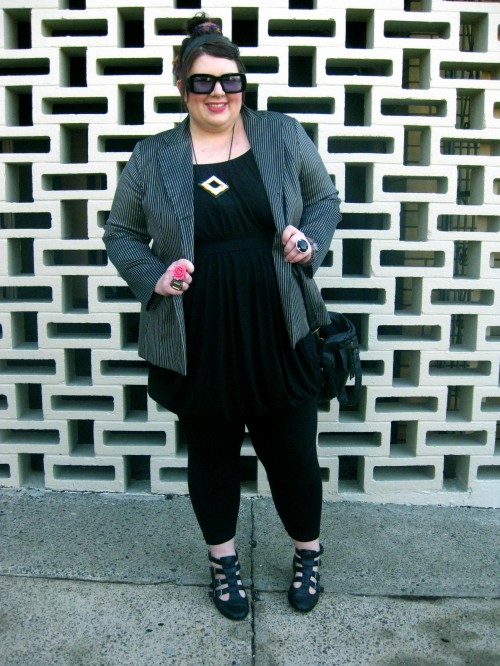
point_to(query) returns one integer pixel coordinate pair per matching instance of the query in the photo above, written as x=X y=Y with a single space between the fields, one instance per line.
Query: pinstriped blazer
x=151 y=223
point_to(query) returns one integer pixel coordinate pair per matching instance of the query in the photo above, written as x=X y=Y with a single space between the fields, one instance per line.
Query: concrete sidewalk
x=121 y=580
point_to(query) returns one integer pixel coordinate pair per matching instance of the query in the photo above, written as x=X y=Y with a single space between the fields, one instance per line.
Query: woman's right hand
x=179 y=271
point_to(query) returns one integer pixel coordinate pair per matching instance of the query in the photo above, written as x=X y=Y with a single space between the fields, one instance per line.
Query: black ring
x=302 y=245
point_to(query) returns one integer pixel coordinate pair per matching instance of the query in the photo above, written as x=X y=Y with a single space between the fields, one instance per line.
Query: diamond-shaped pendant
x=215 y=186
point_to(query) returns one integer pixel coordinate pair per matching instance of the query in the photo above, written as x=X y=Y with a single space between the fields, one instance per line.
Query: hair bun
x=201 y=24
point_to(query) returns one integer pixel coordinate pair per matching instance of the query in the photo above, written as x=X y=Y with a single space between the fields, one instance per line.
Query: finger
x=177 y=287
x=188 y=265
x=288 y=232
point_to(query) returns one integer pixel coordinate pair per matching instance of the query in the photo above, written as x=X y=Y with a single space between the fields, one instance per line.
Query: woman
x=233 y=201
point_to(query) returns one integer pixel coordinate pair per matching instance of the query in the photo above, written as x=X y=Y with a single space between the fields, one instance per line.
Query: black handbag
x=339 y=353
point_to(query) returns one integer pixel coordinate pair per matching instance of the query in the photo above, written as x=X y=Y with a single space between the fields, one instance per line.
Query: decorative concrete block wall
x=403 y=102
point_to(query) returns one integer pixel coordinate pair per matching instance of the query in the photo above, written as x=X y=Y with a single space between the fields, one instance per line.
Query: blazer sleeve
x=126 y=234
x=321 y=212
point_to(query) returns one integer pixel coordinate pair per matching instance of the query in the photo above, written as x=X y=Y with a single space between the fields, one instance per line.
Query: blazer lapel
x=268 y=150
x=176 y=166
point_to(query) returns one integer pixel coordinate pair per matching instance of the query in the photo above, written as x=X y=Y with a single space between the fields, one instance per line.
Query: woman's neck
x=219 y=146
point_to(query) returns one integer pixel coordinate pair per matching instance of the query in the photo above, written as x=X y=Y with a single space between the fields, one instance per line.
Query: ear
x=182 y=90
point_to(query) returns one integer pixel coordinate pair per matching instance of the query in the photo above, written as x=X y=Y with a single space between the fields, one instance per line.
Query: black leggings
x=285 y=443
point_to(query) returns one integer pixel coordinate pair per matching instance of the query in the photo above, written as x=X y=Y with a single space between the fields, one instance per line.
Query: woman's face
x=216 y=111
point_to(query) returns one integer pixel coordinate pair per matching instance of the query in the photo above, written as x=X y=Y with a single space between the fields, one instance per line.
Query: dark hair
x=204 y=36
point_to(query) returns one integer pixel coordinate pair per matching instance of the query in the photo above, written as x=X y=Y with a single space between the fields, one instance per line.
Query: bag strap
x=356 y=372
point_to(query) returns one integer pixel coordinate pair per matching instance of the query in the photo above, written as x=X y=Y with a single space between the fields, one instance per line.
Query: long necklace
x=214 y=185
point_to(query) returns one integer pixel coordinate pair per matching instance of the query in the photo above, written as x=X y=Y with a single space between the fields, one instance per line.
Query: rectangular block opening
x=23 y=144
x=412 y=258
x=312 y=28
x=19 y=183
x=408 y=333
x=131 y=27
x=460 y=438
x=96 y=27
x=19 y=106
x=469 y=223
x=365 y=221
x=79 y=257
x=131 y=105
x=129 y=329
x=123 y=368
x=479 y=297
x=469 y=368
x=365 y=144
x=144 y=438
x=488 y=473
x=75 y=106
x=29 y=437
x=245 y=26
x=350 y=474
x=29 y=294
x=320 y=105
x=168 y=104
x=5 y=471
x=84 y=472
x=74 y=181
x=173 y=474
x=405 y=473
x=479 y=71
x=25 y=220
x=24 y=66
x=32 y=468
x=83 y=403
x=32 y=366
x=78 y=365
x=136 y=402
x=261 y=64
x=74 y=219
x=80 y=330
x=171 y=26
x=415 y=184
x=351 y=295
x=130 y=66
x=420 y=403
x=121 y=294
x=301 y=69
x=75 y=297
x=118 y=144
x=351 y=440
x=411 y=108
x=490 y=403
x=355 y=67
x=138 y=474
x=416 y=69
x=416 y=30
x=358 y=28
x=81 y=437
x=406 y=365
x=73 y=67
x=356 y=103
x=24 y=330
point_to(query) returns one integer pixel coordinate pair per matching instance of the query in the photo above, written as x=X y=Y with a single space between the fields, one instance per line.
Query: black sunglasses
x=204 y=84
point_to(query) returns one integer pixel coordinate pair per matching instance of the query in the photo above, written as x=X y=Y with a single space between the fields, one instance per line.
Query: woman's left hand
x=289 y=239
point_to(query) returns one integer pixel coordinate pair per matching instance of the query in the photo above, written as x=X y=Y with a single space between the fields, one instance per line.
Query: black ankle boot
x=304 y=562
x=236 y=607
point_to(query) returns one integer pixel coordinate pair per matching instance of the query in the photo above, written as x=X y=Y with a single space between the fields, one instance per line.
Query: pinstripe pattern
x=151 y=222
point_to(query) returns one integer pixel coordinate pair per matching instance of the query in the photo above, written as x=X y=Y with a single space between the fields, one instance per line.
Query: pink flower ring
x=179 y=272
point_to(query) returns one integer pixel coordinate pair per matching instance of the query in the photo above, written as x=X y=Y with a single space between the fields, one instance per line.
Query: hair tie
x=207 y=27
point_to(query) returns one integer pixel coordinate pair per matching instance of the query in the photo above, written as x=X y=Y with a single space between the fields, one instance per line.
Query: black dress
x=240 y=361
